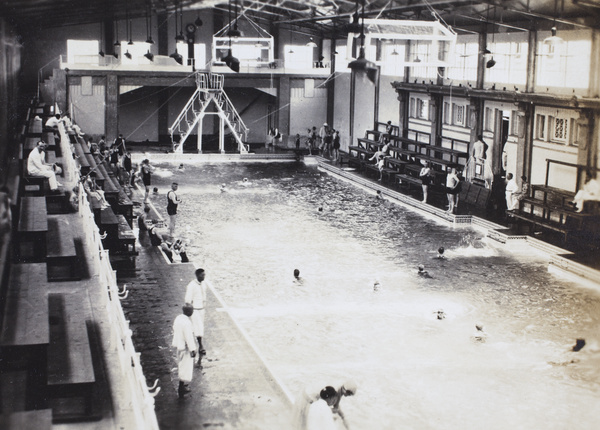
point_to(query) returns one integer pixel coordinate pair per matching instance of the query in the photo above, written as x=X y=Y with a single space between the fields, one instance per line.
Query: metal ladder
x=209 y=89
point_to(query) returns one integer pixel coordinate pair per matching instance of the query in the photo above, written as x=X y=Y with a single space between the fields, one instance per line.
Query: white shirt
x=320 y=416
x=35 y=161
x=195 y=294
x=52 y=122
x=183 y=333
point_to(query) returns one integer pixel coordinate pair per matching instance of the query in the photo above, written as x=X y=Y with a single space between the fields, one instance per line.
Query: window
x=560 y=128
x=458 y=114
x=422 y=109
x=514 y=123
x=412 y=108
x=82 y=51
x=540 y=127
x=489 y=119
x=446 y=113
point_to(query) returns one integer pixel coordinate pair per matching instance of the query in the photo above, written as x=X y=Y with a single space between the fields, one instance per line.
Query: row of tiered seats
x=45 y=351
x=406 y=156
x=117 y=219
x=551 y=208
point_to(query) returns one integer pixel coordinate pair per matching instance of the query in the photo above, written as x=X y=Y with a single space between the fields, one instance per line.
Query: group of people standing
x=326 y=141
x=188 y=331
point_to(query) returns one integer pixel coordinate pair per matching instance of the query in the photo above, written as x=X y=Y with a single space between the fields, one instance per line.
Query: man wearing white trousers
x=185 y=342
x=195 y=295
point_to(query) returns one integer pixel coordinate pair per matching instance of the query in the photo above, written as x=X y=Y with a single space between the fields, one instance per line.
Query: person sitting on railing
x=94 y=191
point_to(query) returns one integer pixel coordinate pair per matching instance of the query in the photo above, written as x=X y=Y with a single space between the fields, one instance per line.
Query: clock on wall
x=190 y=28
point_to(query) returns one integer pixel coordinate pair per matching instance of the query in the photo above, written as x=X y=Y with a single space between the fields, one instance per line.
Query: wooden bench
x=61 y=255
x=25 y=319
x=386 y=173
x=25 y=333
x=535 y=221
x=403 y=179
x=32 y=230
x=70 y=364
x=40 y=419
x=109 y=224
x=126 y=238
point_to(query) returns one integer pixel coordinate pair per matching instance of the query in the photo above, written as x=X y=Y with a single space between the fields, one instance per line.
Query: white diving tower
x=209 y=90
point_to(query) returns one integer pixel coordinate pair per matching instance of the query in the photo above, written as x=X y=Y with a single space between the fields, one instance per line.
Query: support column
x=525 y=116
x=199 y=144
x=60 y=89
x=163 y=33
x=531 y=62
x=595 y=64
x=112 y=109
x=221 y=135
x=352 y=102
x=283 y=107
x=437 y=106
x=163 y=117
x=404 y=99
x=482 y=60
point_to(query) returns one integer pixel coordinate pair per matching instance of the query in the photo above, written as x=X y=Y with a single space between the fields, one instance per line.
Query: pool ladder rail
x=209 y=90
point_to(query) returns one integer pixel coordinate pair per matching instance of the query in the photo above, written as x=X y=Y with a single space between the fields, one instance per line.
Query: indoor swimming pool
x=411 y=343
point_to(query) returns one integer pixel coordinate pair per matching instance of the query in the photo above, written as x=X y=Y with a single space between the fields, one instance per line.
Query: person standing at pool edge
x=183 y=340
x=146 y=170
x=195 y=294
x=172 y=202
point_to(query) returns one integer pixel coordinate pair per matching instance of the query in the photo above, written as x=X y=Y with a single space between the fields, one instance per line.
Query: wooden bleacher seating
x=32 y=230
x=61 y=253
x=70 y=365
x=126 y=238
x=474 y=196
x=550 y=208
x=40 y=419
x=25 y=334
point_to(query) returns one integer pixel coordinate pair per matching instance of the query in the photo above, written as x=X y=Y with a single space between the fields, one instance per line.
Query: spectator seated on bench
x=52 y=122
x=36 y=166
x=94 y=191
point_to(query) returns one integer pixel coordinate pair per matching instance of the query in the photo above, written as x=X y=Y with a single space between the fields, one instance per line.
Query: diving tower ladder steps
x=209 y=90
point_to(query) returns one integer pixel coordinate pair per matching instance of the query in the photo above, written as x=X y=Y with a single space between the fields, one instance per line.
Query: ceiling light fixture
x=128 y=55
x=149 y=39
x=361 y=64
x=101 y=52
x=179 y=37
x=177 y=57
x=149 y=55
x=229 y=60
x=311 y=43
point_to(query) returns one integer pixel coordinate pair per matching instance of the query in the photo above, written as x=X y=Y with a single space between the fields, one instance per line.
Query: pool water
x=411 y=345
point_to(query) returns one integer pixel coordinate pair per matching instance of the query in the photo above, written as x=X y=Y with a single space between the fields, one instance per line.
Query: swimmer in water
x=376 y=286
x=441 y=255
x=422 y=272
x=297 y=278
x=479 y=335
x=223 y=188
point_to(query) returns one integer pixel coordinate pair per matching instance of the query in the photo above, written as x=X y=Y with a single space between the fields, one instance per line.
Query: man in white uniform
x=512 y=188
x=37 y=166
x=195 y=295
x=184 y=341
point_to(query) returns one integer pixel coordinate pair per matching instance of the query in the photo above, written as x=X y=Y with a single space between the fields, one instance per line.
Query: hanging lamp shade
x=198 y=22
x=231 y=62
x=311 y=43
x=177 y=57
x=491 y=63
x=362 y=65
x=128 y=55
x=101 y=53
x=180 y=37
x=149 y=40
x=149 y=55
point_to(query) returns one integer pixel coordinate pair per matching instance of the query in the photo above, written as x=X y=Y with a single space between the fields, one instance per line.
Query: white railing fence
x=131 y=375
